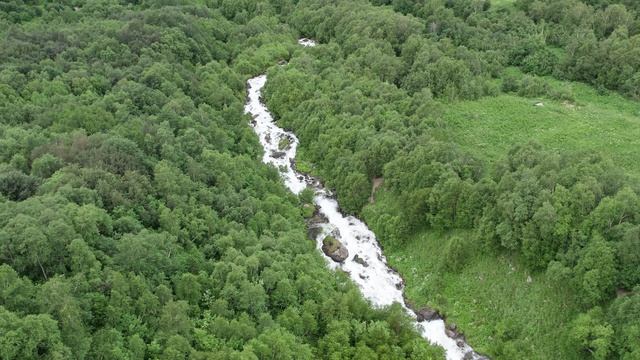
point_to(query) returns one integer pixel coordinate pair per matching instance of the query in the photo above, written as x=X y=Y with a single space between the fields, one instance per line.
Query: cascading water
x=369 y=270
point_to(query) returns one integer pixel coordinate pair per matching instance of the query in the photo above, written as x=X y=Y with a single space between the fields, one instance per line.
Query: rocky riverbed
x=346 y=242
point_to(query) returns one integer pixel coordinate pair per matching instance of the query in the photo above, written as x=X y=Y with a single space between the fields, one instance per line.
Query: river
x=378 y=283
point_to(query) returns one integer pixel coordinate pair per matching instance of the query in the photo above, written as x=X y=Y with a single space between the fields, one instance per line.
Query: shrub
x=330 y=243
x=455 y=254
x=17 y=186
x=44 y=166
x=532 y=86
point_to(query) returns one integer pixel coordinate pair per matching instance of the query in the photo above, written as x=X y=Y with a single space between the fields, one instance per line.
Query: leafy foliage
x=366 y=104
x=136 y=220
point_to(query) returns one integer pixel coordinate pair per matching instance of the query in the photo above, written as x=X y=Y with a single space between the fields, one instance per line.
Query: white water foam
x=377 y=281
x=307 y=42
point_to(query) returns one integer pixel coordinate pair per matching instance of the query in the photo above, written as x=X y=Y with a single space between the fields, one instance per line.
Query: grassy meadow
x=606 y=123
x=498 y=304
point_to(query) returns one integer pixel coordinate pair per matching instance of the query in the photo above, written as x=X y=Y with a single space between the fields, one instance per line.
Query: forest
x=371 y=104
x=138 y=222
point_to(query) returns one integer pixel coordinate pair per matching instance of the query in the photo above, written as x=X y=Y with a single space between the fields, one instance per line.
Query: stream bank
x=365 y=262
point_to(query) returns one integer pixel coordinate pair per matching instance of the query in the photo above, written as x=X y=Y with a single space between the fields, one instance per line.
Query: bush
x=631 y=87
x=455 y=254
x=564 y=94
x=306 y=196
x=510 y=83
x=532 y=86
x=17 y=186
x=542 y=62
x=44 y=166
x=330 y=243
x=308 y=210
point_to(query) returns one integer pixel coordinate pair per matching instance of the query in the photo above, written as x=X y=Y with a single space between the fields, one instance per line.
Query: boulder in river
x=334 y=249
x=278 y=154
x=452 y=331
x=317 y=218
x=313 y=232
x=285 y=143
x=360 y=260
x=427 y=314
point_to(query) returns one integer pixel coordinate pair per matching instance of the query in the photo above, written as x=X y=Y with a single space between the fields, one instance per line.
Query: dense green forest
x=137 y=221
x=371 y=103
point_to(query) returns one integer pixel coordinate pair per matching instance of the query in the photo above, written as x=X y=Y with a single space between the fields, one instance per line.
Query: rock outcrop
x=278 y=154
x=334 y=249
x=428 y=314
x=360 y=260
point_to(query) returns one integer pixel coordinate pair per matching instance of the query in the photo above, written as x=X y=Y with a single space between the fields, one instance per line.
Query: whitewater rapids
x=378 y=283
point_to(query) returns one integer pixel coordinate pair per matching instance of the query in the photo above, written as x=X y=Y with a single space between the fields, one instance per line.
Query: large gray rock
x=361 y=261
x=278 y=154
x=334 y=249
x=313 y=232
x=427 y=314
x=452 y=331
x=340 y=255
x=317 y=218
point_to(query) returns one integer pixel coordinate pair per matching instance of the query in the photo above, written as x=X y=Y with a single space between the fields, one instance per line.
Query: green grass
x=608 y=124
x=499 y=311
x=490 y=299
